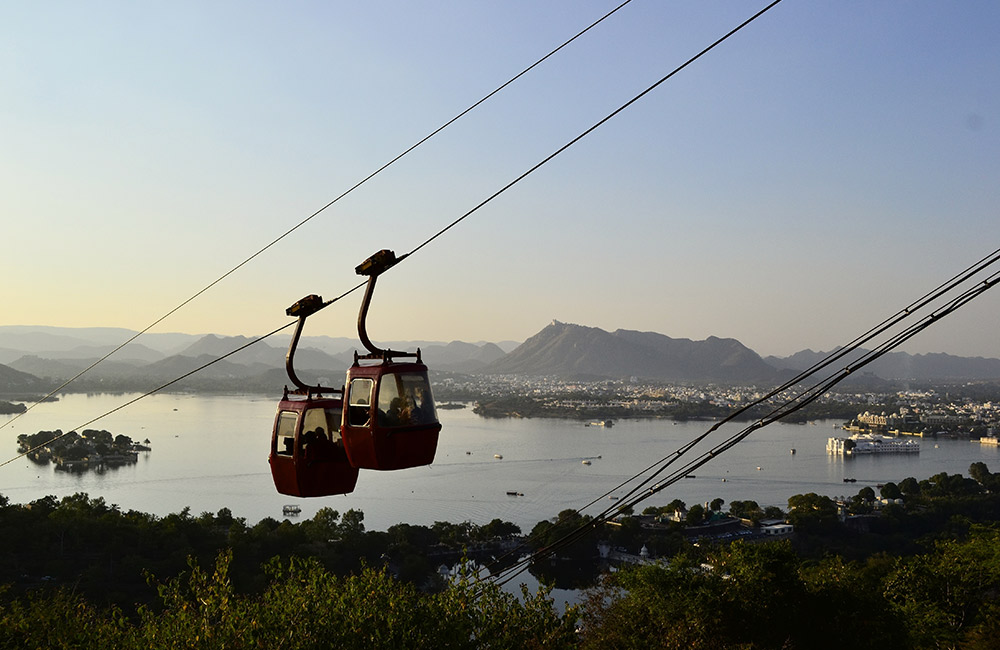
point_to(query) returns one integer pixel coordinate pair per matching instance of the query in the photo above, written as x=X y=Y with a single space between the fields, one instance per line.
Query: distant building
x=865 y=443
x=872 y=421
x=777 y=530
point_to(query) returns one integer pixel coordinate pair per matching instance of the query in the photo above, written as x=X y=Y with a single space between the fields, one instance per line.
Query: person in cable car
x=307 y=456
x=390 y=422
x=304 y=461
x=387 y=415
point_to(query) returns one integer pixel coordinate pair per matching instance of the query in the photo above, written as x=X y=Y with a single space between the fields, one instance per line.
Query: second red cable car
x=307 y=452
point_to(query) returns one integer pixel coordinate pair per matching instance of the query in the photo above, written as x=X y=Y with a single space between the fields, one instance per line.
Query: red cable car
x=307 y=452
x=389 y=421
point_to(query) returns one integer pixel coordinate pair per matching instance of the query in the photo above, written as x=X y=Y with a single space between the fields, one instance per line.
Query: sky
x=814 y=174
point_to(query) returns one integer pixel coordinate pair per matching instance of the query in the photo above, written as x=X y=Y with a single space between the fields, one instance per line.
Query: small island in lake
x=78 y=452
x=11 y=408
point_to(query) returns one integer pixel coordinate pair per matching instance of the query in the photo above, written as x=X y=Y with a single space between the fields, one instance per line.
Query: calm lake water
x=210 y=452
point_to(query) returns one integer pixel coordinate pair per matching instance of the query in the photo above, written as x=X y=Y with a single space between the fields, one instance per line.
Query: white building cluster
x=866 y=443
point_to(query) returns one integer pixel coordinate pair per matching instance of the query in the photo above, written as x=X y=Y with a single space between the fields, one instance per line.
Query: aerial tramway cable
x=322 y=209
x=461 y=218
x=641 y=492
x=638 y=494
x=436 y=235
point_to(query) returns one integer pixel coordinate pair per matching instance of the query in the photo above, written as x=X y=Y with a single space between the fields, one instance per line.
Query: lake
x=210 y=452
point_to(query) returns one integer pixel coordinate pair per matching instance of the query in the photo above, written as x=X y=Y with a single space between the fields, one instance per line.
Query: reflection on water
x=210 y=452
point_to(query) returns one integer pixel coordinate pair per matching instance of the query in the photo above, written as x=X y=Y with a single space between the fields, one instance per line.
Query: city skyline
x=810 y=176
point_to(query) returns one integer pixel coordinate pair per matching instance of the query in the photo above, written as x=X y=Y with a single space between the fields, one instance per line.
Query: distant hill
x=902 y=365
x=37 y=357
x=461 y=357
x=66 y=368
x=14 y=382
x=576 y=351
x=43 y=340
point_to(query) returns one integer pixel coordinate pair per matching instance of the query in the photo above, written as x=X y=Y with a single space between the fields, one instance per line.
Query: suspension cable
x=454 y=223
x=791 y=405
x=151 y=392
x=322 y=209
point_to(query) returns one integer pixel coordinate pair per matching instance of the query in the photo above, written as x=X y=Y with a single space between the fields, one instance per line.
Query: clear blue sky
x=818 y=171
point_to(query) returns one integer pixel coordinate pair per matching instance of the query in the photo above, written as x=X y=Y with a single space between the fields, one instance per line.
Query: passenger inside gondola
x=317 y=446
x=404 y=400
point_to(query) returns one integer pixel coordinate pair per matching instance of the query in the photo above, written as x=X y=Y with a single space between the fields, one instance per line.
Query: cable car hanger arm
x=374 y=266
x=303 y=309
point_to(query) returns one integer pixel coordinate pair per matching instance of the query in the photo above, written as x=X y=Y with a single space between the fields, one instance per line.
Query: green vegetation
x=11 y=408
x=76 y=452
x=924 y=573
x=764 y=596
x=302 y=606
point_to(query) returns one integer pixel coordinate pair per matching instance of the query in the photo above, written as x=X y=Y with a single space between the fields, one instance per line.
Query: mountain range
x=32 y=357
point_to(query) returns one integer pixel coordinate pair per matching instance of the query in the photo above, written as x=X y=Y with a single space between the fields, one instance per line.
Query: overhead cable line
x=838 y=353
x=325 y=207
x=835 y=355
x=600 y=123
x=455 y=222
x=789 y=406
x=151 y=392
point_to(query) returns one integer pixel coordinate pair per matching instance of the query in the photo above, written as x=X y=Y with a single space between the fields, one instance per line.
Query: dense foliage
x=303 y=606
x=921 y=574
x=764 y=596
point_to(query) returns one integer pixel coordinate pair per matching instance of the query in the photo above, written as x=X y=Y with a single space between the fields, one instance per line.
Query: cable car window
x=317 y=433
x=314 y=425
x=359 y=401
x=323 y=422
x=333 y=424
x=404 y=399
x=285 y=443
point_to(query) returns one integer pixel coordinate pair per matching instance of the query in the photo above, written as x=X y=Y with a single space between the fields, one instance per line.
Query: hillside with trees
x=923 y=573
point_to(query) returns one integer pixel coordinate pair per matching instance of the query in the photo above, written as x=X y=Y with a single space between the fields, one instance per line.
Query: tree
x=499 y=529
x=742 y=595
x=745 y=510
x=696 y=515
x=324 y=526
x=982 y=475
x=909 y=486
x=773 y=512
x=352 y=524
x=890 y=491
x=949 y=596
x=813 y=513
x=716 y=504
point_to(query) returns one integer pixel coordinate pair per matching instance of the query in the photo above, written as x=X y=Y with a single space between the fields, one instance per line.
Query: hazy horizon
x=506 y=344
x=809 y=177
